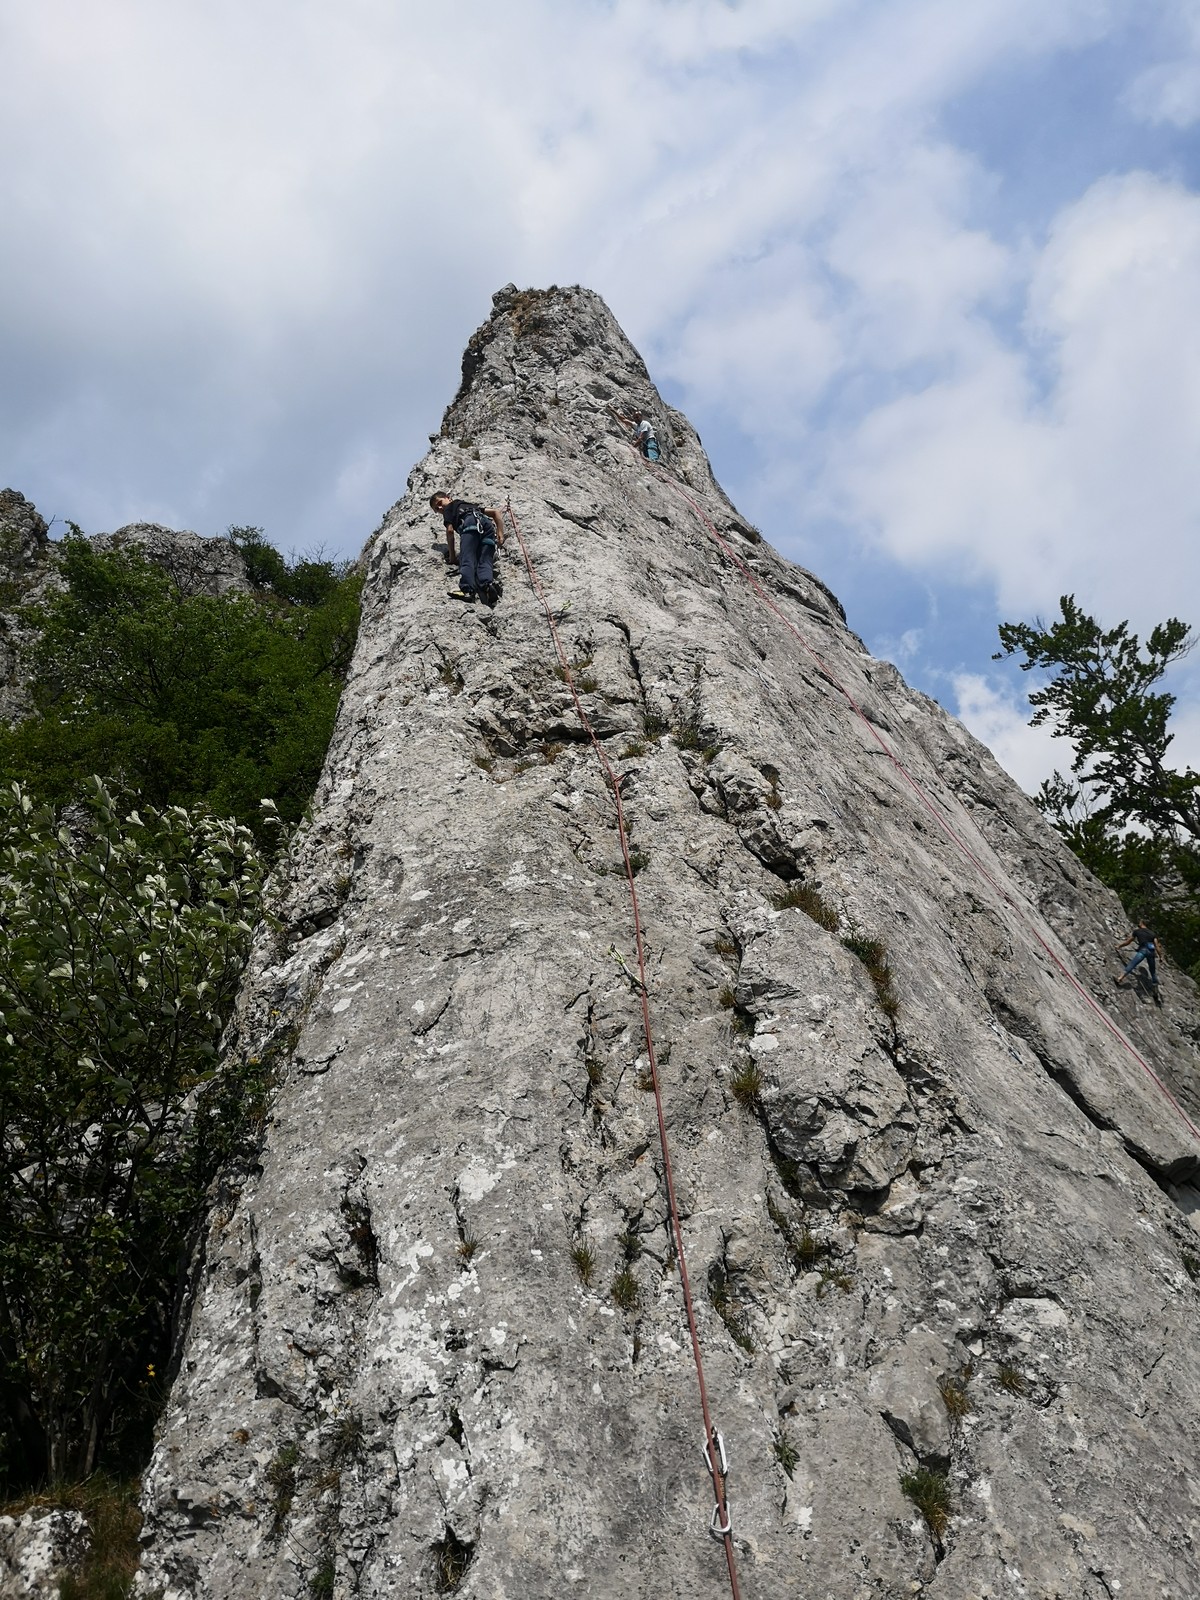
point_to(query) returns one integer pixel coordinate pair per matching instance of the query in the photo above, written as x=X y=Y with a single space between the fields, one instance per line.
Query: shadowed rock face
x=394 y=1381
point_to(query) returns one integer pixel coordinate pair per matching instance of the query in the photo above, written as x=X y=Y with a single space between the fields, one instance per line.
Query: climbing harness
x=922 y=795
x=721 y=1522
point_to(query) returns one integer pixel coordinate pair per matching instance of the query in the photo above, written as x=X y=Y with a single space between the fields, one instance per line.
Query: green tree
x=123 y=936
x=186 y=697
x=1130 y=816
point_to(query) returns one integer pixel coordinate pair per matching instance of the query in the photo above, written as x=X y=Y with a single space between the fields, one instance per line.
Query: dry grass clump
x=803 y=897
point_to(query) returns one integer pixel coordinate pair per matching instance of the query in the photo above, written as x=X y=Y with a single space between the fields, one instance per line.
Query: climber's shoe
x=463 y=594
x=490 y=593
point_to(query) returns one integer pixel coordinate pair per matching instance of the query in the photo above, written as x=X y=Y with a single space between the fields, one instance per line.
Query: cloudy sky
x=924 y=273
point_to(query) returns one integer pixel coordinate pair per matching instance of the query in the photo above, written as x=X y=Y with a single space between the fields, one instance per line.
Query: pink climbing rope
x=922 y=795
x=714 y=1452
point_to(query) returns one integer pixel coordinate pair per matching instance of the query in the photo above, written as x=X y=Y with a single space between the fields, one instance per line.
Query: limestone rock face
x=934 y=1222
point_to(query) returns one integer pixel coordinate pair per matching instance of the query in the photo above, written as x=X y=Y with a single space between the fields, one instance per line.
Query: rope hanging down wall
x=714 y=1448
x=924 y=798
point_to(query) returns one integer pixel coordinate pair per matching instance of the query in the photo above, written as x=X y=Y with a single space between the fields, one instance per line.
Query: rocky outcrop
x=933 y=1204
x=37 y=1549
x=29 y=570
x=25 y=561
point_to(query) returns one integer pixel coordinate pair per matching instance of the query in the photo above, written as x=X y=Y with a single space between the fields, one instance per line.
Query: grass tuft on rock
x=745 y=1084
x=930 y=1493
x=625 y=1288
x=583 y=1258
x=803 y=897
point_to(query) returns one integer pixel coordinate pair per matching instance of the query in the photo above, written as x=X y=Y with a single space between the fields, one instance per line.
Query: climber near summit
x=480 y=529
x=1147 y=948
x=643 y=432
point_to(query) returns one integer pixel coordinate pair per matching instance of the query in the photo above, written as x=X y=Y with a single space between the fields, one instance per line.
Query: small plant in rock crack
x=625 y=1288
x=323 y=1579
x=451 y=1558
x=645 y=1081
x=467 y=1246
x=726 y=948
x=803 y=897
x=488 y=763
x=595 y=1070
x=1191 y=1265
x=730 y=1313
x=833 y=1278
x=281 y=1475
x=930 y=1493
x=957 y=1401
x=583 y=1258
x=639 y=859
x=774 y=798
x=348 y=1436
x=873 y=954
x=745 y=1084
x=654 y=726
x=803 y=1249
x=638 y=747
x=630 y=1243
x=552 y=751
x=786 y=1453
x=726 y=997
x=1012 y=1380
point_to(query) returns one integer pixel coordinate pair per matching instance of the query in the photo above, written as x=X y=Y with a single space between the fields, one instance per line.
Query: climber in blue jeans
x=1146 y=949
x=479 y=530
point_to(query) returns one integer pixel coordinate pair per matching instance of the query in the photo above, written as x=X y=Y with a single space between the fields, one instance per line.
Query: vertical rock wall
x=948 y=1241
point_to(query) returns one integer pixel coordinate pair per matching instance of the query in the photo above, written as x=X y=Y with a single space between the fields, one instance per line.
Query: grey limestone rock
x=406 y=1371
x=36 y=1549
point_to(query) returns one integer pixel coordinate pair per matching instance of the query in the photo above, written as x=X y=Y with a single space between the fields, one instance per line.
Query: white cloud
x=1072 y=463
x=1169 y=91
x=1000 y=719
x=244 y=246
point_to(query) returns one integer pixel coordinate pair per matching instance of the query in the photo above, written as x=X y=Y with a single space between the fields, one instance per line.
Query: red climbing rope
x=714 y=1448
x=922 y=795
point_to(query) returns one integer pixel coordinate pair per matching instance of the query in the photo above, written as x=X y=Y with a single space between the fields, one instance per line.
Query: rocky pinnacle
x=933 y=1168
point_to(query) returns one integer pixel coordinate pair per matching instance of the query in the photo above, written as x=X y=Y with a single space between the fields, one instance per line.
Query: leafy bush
x=185 y=697
x=123 y=936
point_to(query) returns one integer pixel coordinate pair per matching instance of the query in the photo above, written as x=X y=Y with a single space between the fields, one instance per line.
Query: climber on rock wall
x=643 y=432
x=480 y=530
x=1147 y=948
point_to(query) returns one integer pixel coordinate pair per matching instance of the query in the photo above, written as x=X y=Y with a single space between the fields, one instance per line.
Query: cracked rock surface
x=934 y=1208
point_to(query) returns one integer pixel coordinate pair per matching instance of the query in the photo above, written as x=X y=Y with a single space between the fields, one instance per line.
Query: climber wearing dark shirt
x=1146 y=948
x=480 y=529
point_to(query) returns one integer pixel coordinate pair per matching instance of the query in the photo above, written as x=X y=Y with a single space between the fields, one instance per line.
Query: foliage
x=785 y=1452
x=123 y=936
x=805 y=898
x=746 y=1083
x=625 y=1288
x=584 y=1260
x=1132 y=819
x=930 y=1493
x=873 y=954
x=183 y=696
x=955 y=1397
